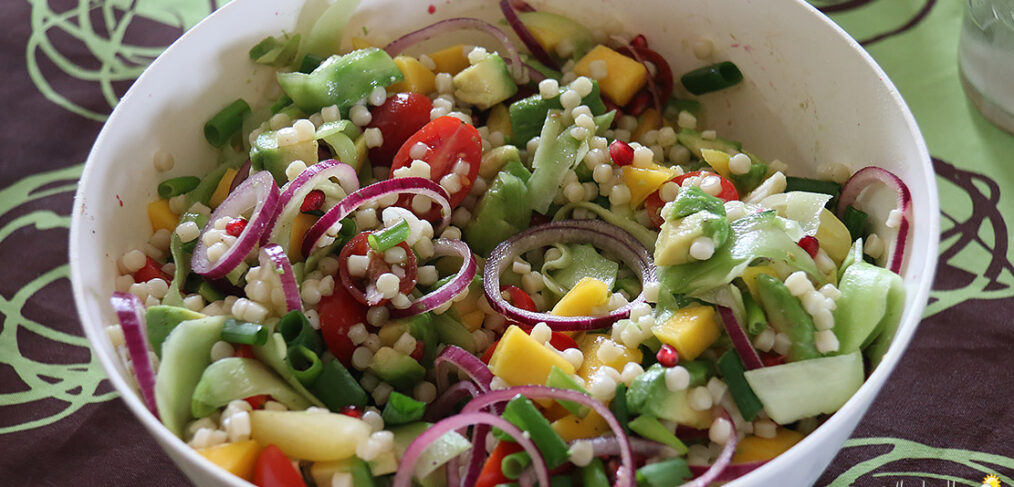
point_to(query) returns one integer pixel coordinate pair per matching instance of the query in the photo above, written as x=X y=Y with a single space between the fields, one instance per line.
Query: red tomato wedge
x=401 y=115
x=339 y=312
x=653 y=204
x=151 y=270
x=449 y=140
x=275 y=470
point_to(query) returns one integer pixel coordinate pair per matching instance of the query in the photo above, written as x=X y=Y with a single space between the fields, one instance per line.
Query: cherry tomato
x=450 y=140
x=519 y=298
x=492 y=471
x=653 y=203
x=364 y=289
x=257 y=402
x=274 y=469
x=401 y=115
x=151 y=270
x=339 y=312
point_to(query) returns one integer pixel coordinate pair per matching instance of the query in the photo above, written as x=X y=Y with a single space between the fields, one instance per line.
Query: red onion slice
x=130 y=312
x=661 y=84
x=258 y=192
x=452 y=288
x=293 y=193
x=722 y=462
x=272 y=256
x=732 y=472
x=526 y=36
x=453 y=25
x=739 y=339
x=241 y=174
x=601 y=234
x=461 y=421
x=328 y=223
x=470 y=364
x=863 y=184
x=442 y=406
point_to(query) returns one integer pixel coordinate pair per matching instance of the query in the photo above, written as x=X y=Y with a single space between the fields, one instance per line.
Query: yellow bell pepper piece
x=300 y=225
x=499 y=120
x=625 y=76
x=473 y=319
x=450 y=60
x=833 y=236
x=583 y=299
x=757 y=449
x=650 y=120
x=750 y=277
x=161 y=217
x=642 y=181
x=718 y=160
x=418 y=78
x=222 y=190
x=521 y=360
x=690 y=330
x=238 y=458
x=619 y=356
x=572 y=428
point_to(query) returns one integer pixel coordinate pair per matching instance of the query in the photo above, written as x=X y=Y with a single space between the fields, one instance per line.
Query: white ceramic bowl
x=811 y=96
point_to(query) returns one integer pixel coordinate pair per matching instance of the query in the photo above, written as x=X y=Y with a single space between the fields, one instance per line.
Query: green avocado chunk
x=341 y=80
x=397 y=369
x=485 y=83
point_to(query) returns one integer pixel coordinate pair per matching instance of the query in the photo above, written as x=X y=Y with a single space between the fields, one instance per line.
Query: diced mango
x=757 y=449
x=650 y=120
x=521 y=360
x=450 y=60
x=625 y=76
x=161 y=217
x=572 y=428
x=300 y=225
x=833 y=236
x=360 y=43
x=690 y=330
x=222 y=190
x=473 y=319
x=499 y=120
x=418 y=78
x=642 y=181
x=750 y=277
x=391 y=332
x=583 y=299
x=617 y=357
x=718 y=160
x=238 y=458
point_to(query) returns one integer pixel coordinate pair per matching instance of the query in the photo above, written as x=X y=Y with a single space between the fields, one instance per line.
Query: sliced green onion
x=388 y=237
x=401 y=409
x=512 y=465
x=305 y=364
x=348 y=229
x=756 y=321
x=619 y=406
x=226 y=123
x=666 y=473
x=812 y=185
x=245 y=333
x=651 y=428
x=310 y=63
x=177 y=186
x=594 y=474
x=209 y=292
x=296 y=330
x=715 y=77
x=855 y=221
x=336 y=388
x=732 y=370
x=522 y=413
x=279 y=104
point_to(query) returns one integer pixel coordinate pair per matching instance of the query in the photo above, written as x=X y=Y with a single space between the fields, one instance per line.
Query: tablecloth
x=943 y=418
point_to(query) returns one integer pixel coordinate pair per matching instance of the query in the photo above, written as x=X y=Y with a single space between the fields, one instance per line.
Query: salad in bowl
x=435 y=263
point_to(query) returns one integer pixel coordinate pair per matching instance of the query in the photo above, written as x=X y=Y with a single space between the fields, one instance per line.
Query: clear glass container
x=986 y=59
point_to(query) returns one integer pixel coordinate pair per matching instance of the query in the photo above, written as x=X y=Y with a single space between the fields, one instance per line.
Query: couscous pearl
x=826 y=341
x=620 y=195
x=798 y=284
x=700 y=399
x=669 y=191
x=381 y=393
x=373 y=419
x=373 y=137
x=369 y=383
x=602 y=387
x=451 y=183
x=360 y=115
x=330 y=113
x=216 y=251
x=702 y=248
x=739 y=164
x=362 y=358
x=387 y=285
x=377 y=315
x=158 y=288
x=573 y=356
x=305 y=129
x=279 y=121
x=294 y=169
x=133 y=260
x=598 y=69
x=720 y=430
x=823 y=319
x=395 y=255
x=830 y=292
x=717 y=389
x=686 y=120
x=425 y=392
x=549 y=88
x=583 y=86
x=874 y=246
x=188 y=231
x=452 y=232
x=541 y=333
x=781 y=344
x=711 y=185
x=221 y=350
x=765 y=428
x=764 y=340
x=570 y=99
x=677 y=378
x=163 y=161
x=643 y=157
x=194 y=302
x=581 y=453
x=378 y=96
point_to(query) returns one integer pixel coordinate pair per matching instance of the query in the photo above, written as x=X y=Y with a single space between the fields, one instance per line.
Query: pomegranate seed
x=810 y=245
x=639 y=41
x=236 y=226
x=420 y=346
x=667 y=356
x=352 y=411
x=621 y=153
x=313 y=201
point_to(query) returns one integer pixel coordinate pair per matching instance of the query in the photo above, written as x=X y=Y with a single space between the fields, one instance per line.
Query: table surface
x=942 y=419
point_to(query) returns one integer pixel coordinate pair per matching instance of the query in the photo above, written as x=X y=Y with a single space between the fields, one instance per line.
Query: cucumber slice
x=798 y=390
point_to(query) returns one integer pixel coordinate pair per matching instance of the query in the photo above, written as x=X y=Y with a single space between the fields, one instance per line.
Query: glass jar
x=986 y=59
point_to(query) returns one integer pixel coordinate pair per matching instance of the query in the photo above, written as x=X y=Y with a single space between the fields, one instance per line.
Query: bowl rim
x=176 y=448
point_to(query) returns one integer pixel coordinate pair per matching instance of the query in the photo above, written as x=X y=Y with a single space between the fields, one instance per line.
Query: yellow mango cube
x=238 y=458
x=750 y=277
x=300 y=225
x=642 y=181
x=583 y=299
x=757 y=449
x=616 y=354
x=222 y=190
x=833 y=236
x=473 y=319
x=418 y=78
x=690 y=330
x=161 y=217
x=625 y=76
x=572 y=428
x=718 y=160
x=521 y=360
x=450 y=60
x=650 y=120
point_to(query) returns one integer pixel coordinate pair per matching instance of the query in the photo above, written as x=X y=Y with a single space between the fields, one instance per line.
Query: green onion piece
x=618 y=406
x=310 y=63
x=401 y=409
x=732 y=369
x=666 y=473
x=715 y=77
x=348 y=229
x=305 y=364
x=245 y=333
x=226 y=123
x=560 y=380
x=336 y=388
x=812 y=185
x=361 y=474
x=649 y=427
x=594 y=474
x=756 y=321
x=388 y=237
x=512 y=465
x=522 y=413
x=209 y=292
x=855 y=221
x=177 y=186
x=674 y=106
x=279 y=104
x=296 y=330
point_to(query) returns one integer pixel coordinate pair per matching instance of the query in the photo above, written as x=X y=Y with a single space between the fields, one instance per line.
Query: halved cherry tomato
x=244 y=351
x=365 y=290
x=274 y=469
x=339 y=312
x=450 y=140
x=492 y=471
x=151 y=270
x=519 y=298
x=257 y=402
x=401 y=115
x=653 y=204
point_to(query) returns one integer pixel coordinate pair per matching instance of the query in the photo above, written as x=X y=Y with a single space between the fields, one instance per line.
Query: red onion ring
x=293 y=193
x=739 y=339
x=663 y=73
x=441 y=407
x=857 y=186
x=601 y=234
x=732 y=472
x=456 y=24
x=459 y=357
x=452 y=288
x=241 y=174
x=722 y=462
x=258 y=192
x=371 y=193
x=272 y=256
x=526 y=36
x=130 y=312
x=407 y=464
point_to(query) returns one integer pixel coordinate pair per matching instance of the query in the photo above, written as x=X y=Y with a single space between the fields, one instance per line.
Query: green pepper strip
x=855 y=221
x=226 y=123
x=715 y=77
x=522 y=413
x=401 y=409
x=296 y=330
x=177 y=186
x=245 y=333
x=388 y=237
x=673 y=471
x=594 y=474
x=336 y=388
x=649 y=427
x=305 y=364
x=512 y=465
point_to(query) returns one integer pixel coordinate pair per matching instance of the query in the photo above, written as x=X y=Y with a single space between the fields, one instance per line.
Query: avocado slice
x=397 y=369
x=560 y=35
x=266 y=154
x=485 y=83
x=529 y=114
